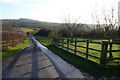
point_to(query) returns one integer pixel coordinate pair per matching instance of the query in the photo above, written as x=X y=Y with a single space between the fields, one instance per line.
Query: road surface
x=36 y=61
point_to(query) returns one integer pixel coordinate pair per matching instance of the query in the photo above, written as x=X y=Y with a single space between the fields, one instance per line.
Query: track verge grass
x=13 y=50
x=98 y=71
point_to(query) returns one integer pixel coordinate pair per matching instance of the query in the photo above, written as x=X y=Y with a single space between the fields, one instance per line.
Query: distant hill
x=22 y=22
x=29 y=23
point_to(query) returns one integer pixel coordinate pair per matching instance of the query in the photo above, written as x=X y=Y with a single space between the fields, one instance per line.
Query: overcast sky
x=54 y=10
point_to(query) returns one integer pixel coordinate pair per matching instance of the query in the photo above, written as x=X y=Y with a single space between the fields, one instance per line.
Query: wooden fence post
x=52 y=42
x=75 y=46
x=62 y=43
x=87 y=48
x=67 y=44
x=103 y=52
x=110 y=54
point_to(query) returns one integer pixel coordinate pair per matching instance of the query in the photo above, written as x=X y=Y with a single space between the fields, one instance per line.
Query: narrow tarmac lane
x=30 y=62
x=35 y=61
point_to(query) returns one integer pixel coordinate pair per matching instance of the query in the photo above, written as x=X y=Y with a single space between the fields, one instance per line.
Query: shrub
x=11 y=36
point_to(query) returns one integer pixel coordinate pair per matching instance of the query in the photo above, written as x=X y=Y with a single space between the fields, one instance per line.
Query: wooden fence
x=10 y=43
x=106 y=47
x=10 y=39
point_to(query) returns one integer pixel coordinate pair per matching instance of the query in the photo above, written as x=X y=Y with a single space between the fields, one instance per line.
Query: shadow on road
x=30 y=62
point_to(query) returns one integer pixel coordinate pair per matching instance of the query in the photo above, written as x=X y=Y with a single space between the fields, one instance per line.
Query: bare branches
x=71 y=26
x=106 y=23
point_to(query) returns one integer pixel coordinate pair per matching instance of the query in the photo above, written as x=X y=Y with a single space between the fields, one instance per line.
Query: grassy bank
x=104 y=72
x=89 y=66
x=44 y=40
x=13 y=50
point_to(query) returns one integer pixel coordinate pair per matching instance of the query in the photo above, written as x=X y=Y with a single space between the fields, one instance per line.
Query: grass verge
x=13 y=50
x=100 y=72
x=89 y=66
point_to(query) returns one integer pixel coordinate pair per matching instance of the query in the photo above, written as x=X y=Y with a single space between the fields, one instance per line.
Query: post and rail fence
x=10 y=39
x=10 y=43
x=106 y=47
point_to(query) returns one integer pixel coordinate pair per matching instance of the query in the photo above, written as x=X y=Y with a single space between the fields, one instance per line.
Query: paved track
x=33 y=62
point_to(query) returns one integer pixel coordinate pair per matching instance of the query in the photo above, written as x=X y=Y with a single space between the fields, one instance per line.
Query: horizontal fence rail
x=10 y=39
x=106 y=48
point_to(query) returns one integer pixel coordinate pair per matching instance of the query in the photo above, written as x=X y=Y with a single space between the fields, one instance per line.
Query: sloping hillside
x=32 y=23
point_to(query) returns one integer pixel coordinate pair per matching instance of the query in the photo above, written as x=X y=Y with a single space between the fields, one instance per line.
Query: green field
x=44 y=40
x=98 y=71
x=26 y=29
x=92 y=52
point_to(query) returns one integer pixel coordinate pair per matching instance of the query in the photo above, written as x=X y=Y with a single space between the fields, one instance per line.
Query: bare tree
x=96 y=28
x=106 y=23
x=71 y=27
x=109 y=25
x=55 y=35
